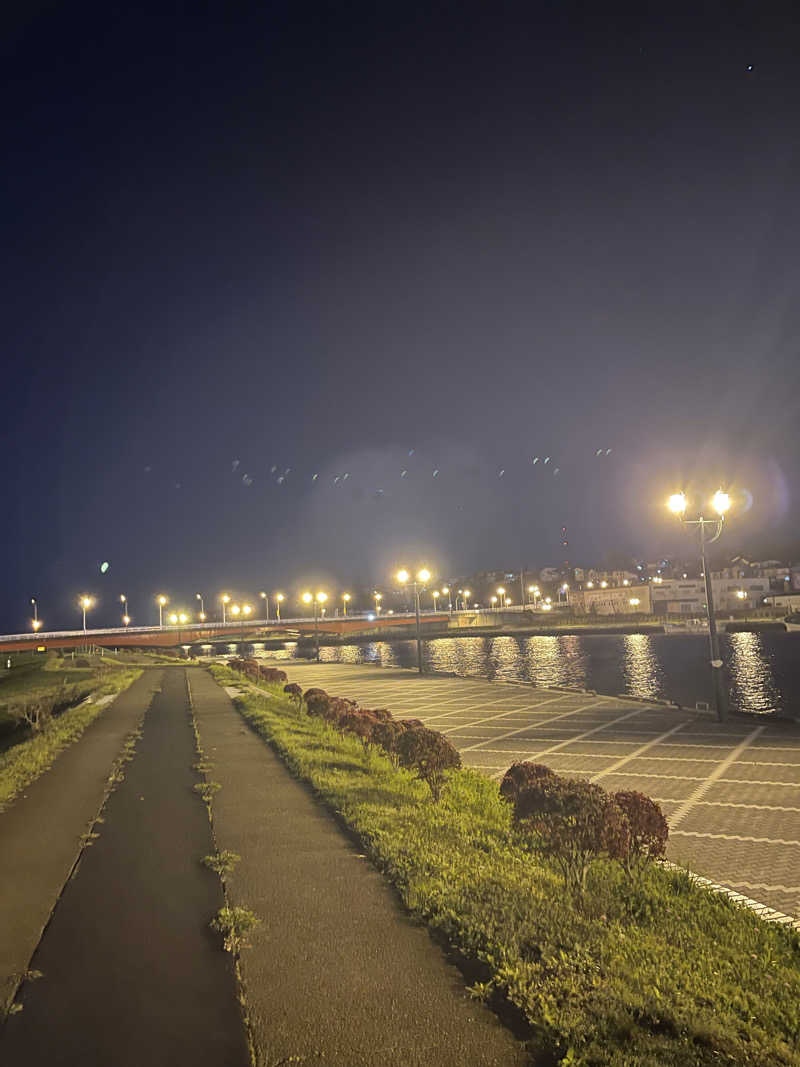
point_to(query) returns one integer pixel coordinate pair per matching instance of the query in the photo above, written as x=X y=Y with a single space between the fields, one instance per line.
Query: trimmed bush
x=575 y=822
x=647 y=827
x=519 y=776
x=429 y=754
x=387 y=733
x=295 y=692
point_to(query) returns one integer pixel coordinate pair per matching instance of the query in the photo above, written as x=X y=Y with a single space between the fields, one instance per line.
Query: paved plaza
x=731 y=792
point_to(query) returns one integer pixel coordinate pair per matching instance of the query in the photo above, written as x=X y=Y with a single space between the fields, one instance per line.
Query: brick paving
x=731 y=792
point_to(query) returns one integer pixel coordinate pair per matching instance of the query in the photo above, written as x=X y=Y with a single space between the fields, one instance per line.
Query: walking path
x=730 y=791
x=132 y=974
x=40 y=833
x=337 y=973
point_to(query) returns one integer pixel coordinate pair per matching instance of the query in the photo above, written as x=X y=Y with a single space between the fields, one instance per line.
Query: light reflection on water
x=752 y=683
x=642 y=669
x=763 y=670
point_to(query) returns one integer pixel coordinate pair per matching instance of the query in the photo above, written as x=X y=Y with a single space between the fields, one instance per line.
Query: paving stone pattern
x=731 y=792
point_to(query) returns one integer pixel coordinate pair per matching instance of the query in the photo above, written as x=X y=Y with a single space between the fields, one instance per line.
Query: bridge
x=171 y=636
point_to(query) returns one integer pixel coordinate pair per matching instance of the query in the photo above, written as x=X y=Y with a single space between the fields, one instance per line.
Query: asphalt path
x=338 y=973
x=132 y=974
x=41 y=831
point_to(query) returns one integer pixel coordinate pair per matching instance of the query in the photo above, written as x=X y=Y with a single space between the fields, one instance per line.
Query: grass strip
x=23 y=763
x=665 y=972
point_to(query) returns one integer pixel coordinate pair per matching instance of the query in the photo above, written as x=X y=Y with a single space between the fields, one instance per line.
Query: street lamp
x=199 y=596
x=225 y=601
x=467 y=595
x=37 y=622
x=318 y=600
x=124 y=601
x=265 y=598
x=720 y=503
x=235 y=609
x=435 y=594
x=162 y=600
x=279 y=599
x=346 y=598
x=501 y=592
x=422 y=578
x=446 y=592
x=378 y=599
x=85 y=603
x=247 y=609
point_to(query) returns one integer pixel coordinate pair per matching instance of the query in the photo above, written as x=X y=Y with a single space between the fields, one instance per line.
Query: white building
x=688 y=596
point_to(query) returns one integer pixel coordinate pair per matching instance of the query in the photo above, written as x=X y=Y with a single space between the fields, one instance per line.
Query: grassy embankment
x=25 y=761
x=662 y=973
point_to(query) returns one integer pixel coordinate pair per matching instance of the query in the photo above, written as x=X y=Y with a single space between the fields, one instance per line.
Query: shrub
x=430 y=754
x=519 y=775
x=360 y=723
x=295 y=692
x=381 y=714
x=273 y=675
x=411 y=724
x=316 y=701
x=575 y=822
x=386 y=733
x=647 y=826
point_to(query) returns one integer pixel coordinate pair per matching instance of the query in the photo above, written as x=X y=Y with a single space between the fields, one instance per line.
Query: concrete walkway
x=132 y=974
x=338 y=973
x=730 y=791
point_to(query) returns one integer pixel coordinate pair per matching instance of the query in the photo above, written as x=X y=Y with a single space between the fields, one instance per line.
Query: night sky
x=340 y=240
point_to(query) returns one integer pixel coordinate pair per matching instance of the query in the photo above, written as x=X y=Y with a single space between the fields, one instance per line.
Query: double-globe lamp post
x=709 y=531
x=419 y=582
x=125 y=616
x=37 y=622
x=199 y=596
x=318 y=599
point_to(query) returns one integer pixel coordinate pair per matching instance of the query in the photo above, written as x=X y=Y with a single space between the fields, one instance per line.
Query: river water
x=762 y=670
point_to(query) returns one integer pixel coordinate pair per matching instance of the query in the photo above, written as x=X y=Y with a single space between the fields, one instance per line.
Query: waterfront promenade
x=731 y=792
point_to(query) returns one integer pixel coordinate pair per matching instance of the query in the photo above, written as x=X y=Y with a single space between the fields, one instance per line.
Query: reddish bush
x=647 y=826
x=359 y=723
x=519 y=775
x=382 y=714
x=386 y=733
x=316 y=701
x=575 y=822
x=295 y=692
x=273 y=675
x=430 y=754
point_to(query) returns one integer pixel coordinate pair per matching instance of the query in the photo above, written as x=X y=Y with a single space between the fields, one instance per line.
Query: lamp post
x=378 y=599
x=125 y=616
x=265 y=598
x=709 y=531
x=501 y=592
x=435 y=594
x=317 y=600
x=225 y=601
x=493 y=602
x=199 y=596
x=279 y=598
x=422 y=578
x=346 y=598
x=37 y=622
x=85 y=602
x=446 y=592
x=162 y=600
x=467 y=595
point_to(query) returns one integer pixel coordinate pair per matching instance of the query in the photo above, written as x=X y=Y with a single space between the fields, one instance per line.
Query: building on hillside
x=613 y=600
x=688 y=596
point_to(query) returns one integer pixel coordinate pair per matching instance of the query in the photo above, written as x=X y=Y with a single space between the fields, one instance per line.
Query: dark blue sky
x=318 y=237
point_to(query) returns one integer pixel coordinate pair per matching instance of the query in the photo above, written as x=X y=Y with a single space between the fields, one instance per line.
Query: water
x=762 y=670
